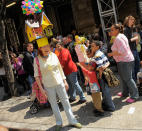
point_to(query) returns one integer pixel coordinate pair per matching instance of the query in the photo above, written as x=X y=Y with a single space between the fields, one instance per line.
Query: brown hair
x=126 y=21
x=39 y=52
x=60 y=43
x=97 y=43
x=118 y=27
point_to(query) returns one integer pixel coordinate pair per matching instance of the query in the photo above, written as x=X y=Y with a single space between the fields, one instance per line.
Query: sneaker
x=47 y=105
x=72 y=100
x=58 y=128
x=82 y=101
x=77 y=125
x=120 y=94
x=105 y=108
x=98 y=113
x=130 y=100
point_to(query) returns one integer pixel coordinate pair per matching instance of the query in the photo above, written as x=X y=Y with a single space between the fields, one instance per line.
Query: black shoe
x=98 y=113
x=82 y=101
x=72 y=100
x=47 y=105
x=108 y=109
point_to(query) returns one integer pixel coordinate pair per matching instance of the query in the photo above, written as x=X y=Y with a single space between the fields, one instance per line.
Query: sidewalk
x=14 y=113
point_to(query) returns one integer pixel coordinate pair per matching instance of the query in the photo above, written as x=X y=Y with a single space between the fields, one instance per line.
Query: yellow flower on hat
x=77 y=40
x=83 y=39
x=42 y=42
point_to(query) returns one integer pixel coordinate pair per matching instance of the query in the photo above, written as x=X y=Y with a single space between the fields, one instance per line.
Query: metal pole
x=114 y=10
x=102 y=22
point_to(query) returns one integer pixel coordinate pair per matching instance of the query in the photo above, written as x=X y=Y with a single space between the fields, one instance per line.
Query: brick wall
x=83 y=15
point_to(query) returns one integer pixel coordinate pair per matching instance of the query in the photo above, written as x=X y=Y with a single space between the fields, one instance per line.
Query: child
x=101 y=63
x=95 y=88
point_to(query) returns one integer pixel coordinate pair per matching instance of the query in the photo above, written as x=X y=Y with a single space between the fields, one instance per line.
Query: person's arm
x=120 y=48
x=114 y=53
x=64 y=58
x=135 y=38
x=90 y=54
x=28 y=61
x=127 y=34
x=84 y=69
x=40 y=86
x=62 y=73
x=36 y=75
x=100 y=69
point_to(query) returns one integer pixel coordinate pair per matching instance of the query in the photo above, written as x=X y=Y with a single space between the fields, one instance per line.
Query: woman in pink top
x=125 y=61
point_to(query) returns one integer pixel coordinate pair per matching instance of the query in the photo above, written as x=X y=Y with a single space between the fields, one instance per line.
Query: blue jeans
x=30 y=81
x=107 y=99
x=61 y=92
x=125 y=70
x=74 y=86
x=136 y=66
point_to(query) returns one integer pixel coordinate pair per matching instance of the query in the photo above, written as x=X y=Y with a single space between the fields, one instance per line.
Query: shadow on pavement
x=43 y=112
x=20 y=106
x=85 y=114
x=64 y=128
x=118 y=102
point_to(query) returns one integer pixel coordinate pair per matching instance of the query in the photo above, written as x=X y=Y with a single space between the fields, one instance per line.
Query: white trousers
x=61 y=92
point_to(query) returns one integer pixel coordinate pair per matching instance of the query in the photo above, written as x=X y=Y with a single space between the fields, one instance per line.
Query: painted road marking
x=131 y=110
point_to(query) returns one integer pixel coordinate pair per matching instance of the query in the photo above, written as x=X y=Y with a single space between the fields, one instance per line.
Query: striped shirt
x=100 y=59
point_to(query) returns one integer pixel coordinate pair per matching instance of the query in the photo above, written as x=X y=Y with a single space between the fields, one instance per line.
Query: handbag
x=111 y=78
x=35 y=88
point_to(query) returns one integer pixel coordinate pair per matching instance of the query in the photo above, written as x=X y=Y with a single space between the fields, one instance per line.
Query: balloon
x=23 y=2
x=29 y=3
x=38 y=4
x=36 y=8
x=32 y=6
x=41 y=2
x=26 y=4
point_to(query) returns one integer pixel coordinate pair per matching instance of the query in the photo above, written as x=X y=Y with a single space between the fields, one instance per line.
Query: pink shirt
x=121 y=45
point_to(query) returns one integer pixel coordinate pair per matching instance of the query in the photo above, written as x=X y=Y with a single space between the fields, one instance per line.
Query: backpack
x=110 y=78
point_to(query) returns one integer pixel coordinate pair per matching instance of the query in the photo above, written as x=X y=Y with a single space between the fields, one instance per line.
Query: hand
x=86 y=81
x=100 y=72
x=66 y=85
x=100 y=75
x=109 y=54
x=78 y=64
x=44 y=93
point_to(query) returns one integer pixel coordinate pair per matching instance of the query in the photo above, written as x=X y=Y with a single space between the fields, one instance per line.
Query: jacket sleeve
x=29 y=64
x=64 y=57
x=85 y=71
x=60 y=69
x=35 y=68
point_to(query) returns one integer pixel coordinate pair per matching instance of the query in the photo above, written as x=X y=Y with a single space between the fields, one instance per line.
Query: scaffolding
x=108 y=15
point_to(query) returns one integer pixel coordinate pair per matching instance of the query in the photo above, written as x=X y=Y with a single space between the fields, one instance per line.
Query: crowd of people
x=68 y=64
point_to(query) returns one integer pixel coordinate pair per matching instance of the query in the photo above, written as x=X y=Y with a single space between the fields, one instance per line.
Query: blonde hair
x=126 y=21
